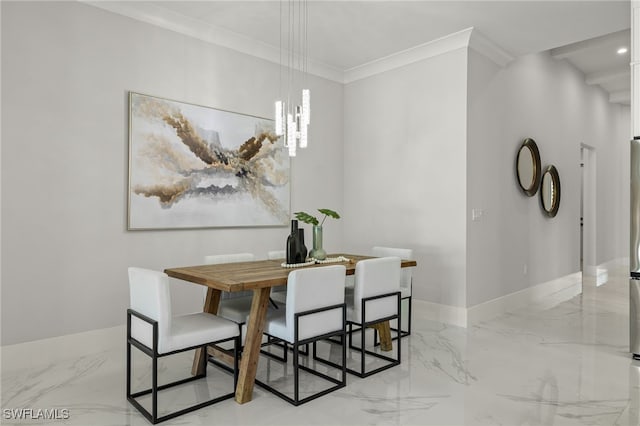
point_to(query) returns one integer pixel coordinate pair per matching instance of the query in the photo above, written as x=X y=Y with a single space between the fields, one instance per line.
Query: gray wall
x=545 y=99
x=423 y=145
x=405 y=169
x=427 y=143
x=66 y=71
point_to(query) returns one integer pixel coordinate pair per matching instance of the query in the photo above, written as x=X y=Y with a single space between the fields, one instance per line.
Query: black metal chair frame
x=296 y=355
x=154 y=355
x=285 y=347
x=363 y=325
x=402 y=333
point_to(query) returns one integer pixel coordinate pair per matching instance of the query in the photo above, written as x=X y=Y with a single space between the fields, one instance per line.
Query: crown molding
x=469 y=37
x=169 y=20
x=406 y=57
x=488 y=48
x=159 y=16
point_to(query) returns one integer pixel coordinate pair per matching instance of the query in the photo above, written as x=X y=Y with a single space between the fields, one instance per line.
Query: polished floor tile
x=562 y=365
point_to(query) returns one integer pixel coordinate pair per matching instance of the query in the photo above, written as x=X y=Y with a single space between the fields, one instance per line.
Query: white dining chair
x=315 y=310
x=236 y=306
x=278 y=293
x=406 y=279
x=375 y=299
x=153 y=330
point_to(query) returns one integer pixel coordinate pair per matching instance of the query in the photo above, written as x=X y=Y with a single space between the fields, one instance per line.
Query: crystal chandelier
x=292 y=122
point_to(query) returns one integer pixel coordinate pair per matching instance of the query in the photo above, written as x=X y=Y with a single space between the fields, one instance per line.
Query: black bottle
x=302 y=249
x=292 y=244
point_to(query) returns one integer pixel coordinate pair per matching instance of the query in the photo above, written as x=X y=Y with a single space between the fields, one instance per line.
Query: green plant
x=307 y=218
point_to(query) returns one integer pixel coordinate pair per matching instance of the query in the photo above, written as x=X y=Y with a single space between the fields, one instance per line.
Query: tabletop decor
x=298 y=265
x=296 y=251
x=317 y=252
x=193 y=167
x=312 y=261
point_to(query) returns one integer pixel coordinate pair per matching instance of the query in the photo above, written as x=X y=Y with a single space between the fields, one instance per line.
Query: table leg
x=211 y=303
x=384 y=329
x=251 y=352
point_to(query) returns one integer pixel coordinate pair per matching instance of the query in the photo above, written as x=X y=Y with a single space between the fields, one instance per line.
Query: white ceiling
x=598 y=59
x=348 y=34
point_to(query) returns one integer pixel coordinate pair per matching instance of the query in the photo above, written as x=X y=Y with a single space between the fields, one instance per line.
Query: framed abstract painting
x=192 y=166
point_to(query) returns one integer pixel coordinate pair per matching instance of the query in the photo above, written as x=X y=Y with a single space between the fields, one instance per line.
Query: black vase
x=292 y=244
x=302 y=249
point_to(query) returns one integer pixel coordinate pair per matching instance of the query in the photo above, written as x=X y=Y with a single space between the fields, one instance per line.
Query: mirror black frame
x=531 y=145
x=555 y=202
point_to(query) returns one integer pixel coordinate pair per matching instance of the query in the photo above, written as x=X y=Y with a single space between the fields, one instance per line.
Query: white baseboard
x=422 y=310
x=550 y=293
x=601 y=272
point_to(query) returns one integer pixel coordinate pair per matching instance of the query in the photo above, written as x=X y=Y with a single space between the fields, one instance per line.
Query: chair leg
x=236 y=355
x=204 y=360
x=399 y=350
x=154 y=388
x=409 y=318
x=153 y=415
x=350 y=335
x=362 y=335
x=296 y=374
x=128 y=369
x=276 y=342
x=344 y=359
x=399 y=332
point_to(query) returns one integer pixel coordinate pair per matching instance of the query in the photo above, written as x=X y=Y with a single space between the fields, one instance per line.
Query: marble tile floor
x=562 y=365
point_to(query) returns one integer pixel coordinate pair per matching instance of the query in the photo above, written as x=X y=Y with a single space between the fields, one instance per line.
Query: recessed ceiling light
x=622 y=50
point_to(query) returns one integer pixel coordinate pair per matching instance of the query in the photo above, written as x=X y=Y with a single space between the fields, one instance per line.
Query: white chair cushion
x=276 y=324
x=309 y=289
x=150 y=296
x=235 y=309
x=197 y=329
x=375 y=277
x=382 y=307
x=350 y=282
x=348 y=299
x=405 y=292
x=406 y=274
x=311 y=326
x=238 y=309
x=279 y=293
x=280 y=297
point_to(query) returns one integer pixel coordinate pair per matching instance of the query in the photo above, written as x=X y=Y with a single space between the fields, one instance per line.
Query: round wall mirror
x=528 y=167
x=550 y=191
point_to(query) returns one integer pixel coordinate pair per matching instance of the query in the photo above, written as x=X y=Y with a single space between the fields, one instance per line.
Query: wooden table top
x=256 y=274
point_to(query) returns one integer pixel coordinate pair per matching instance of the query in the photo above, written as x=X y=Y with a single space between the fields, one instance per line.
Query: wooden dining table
x=259 y=277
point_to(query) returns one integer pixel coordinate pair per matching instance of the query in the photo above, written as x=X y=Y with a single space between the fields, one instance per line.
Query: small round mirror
x=528 y=167
x=550 y=191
